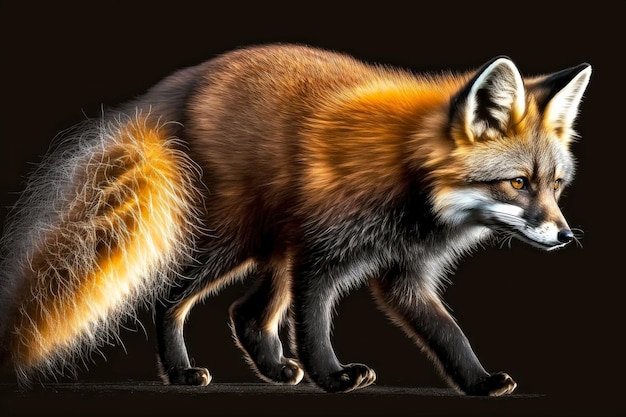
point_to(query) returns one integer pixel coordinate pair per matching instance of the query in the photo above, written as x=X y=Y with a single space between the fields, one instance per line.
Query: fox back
x=310 y=172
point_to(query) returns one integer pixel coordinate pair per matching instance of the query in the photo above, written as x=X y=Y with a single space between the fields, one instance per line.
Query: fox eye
x=518 y=183
x=557 y=184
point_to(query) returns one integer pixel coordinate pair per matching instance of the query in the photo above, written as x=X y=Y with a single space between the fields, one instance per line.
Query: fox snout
x=546 y=226
x=547 y=235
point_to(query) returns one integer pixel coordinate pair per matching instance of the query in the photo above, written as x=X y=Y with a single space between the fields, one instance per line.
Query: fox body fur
x=307 y=170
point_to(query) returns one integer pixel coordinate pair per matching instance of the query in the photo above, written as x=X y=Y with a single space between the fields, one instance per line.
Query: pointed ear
x=490 y=102
x=559 y=95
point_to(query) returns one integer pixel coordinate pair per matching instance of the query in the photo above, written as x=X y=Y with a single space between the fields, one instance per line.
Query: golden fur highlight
x=376 y=125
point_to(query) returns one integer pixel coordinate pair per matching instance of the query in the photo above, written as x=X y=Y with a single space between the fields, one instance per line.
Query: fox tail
x=104 y=225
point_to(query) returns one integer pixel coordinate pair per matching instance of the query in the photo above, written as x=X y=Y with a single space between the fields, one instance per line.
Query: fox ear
x=559 y=95
x=492 y=100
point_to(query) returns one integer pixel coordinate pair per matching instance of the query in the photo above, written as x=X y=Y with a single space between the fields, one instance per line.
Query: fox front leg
x=426 y=320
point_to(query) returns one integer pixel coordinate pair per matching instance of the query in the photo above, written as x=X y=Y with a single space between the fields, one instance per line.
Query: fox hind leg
x=256 y=319
x=171 y=314
x=174 y=363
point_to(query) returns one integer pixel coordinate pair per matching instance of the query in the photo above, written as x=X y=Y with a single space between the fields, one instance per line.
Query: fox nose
x=565 y=236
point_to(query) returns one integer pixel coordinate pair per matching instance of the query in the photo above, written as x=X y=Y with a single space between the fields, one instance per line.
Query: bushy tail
x=104 y=224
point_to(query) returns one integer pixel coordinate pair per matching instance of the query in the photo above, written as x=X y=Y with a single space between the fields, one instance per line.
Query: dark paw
x=287 y=371
x=189 y=376
x=494 y=385
x=353 y=376
x=291 y=373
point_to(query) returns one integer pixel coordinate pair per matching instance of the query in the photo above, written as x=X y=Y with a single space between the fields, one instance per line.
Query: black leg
x=419 y=311
x=316 y=292
x=173 y=359
x=172 y=311
x=256 y=319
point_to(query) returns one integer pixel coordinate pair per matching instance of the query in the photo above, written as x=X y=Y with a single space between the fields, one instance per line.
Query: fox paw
x=351 y=377
x=287 y=371
x=291 y=373
x=189 y=376
x=494 y=385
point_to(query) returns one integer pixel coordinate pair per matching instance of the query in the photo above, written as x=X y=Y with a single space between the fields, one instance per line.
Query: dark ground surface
x=550 y=320
x=258 y=399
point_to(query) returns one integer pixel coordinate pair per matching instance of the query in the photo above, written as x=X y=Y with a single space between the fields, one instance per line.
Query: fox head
x=510 y=157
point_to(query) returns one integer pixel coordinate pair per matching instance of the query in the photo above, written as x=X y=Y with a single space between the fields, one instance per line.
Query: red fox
x=307 y=170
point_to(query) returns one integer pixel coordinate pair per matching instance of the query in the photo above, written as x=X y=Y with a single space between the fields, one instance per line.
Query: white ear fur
x=495 y=98
x=563 y=107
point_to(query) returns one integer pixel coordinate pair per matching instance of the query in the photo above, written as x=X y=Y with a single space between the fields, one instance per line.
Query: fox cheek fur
x=304 y=170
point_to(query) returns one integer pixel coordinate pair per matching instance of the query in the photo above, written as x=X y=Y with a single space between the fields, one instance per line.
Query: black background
x=551 y=320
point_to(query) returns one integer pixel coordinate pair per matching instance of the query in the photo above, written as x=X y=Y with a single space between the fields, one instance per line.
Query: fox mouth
x=545 y=237
x=539 y=244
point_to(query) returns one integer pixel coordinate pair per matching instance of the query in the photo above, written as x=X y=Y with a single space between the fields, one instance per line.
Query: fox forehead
x=536 y=156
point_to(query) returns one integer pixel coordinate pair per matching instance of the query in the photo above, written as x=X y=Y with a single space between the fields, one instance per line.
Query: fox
x=310 y=173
